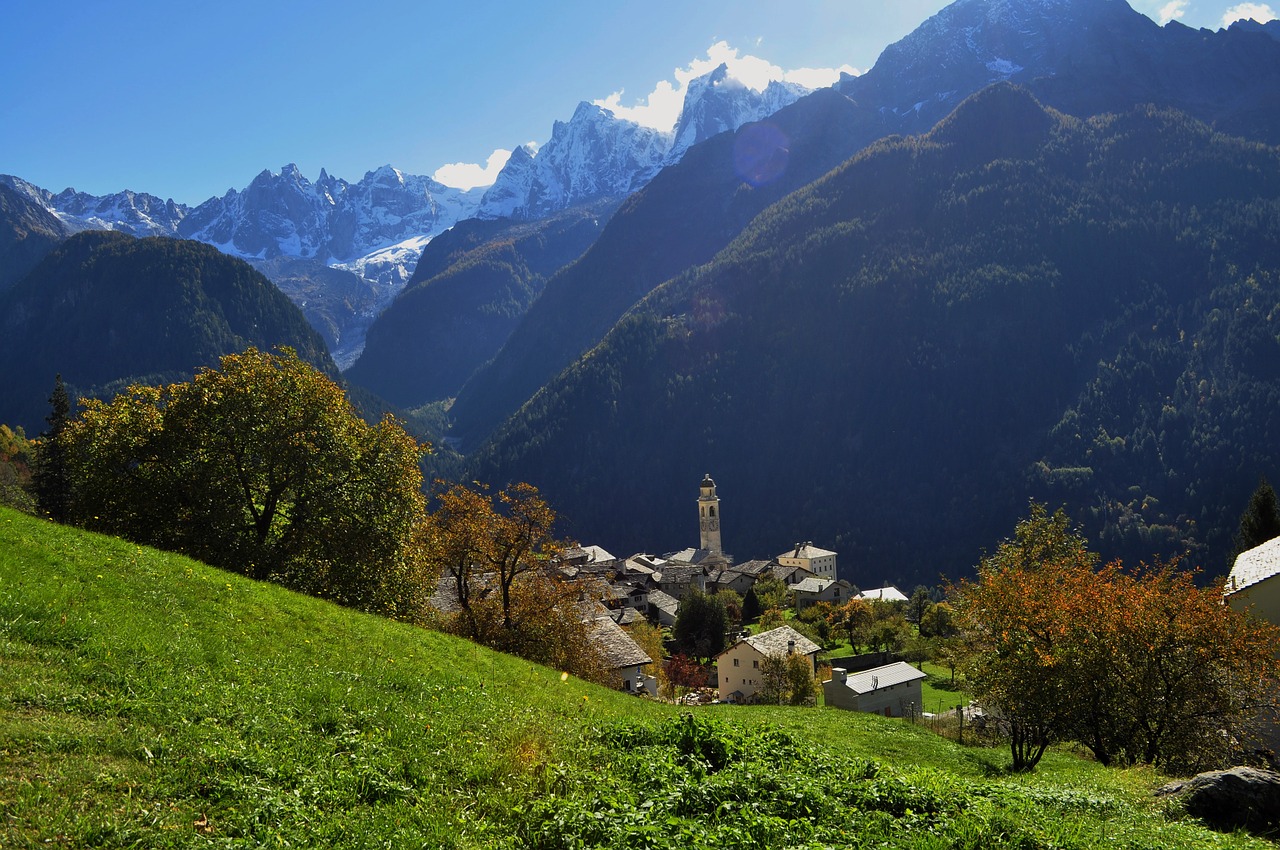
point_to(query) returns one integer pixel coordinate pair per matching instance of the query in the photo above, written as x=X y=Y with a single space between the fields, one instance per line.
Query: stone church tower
x=709 y=515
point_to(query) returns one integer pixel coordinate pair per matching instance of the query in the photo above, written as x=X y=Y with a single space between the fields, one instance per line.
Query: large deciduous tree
x=1139 y=666
x=260 y=466
x=787 y=679
x=495 y=554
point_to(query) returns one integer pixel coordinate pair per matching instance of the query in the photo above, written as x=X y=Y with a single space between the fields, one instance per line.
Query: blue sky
x=187 y=100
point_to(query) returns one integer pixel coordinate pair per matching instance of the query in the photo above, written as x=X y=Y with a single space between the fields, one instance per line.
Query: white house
x=820 y=562
x=738 y=667
x=1255 y=581
x=891 y=690
x=885 y=594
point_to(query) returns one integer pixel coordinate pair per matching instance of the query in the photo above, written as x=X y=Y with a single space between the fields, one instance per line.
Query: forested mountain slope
x=1082 y=57
x=27 y=232
x=468 y=292
x=894 y=359
x=681 y=219
x=104 y=309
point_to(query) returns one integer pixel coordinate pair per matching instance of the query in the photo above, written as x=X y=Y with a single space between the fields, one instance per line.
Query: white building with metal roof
x=892 y=690
x=1254 y=581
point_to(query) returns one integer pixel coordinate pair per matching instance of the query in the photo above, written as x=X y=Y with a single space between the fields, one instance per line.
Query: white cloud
x=1172 y=10
x=1260 y=12
x=817 y=78
x=469 y=175
x=661 y=108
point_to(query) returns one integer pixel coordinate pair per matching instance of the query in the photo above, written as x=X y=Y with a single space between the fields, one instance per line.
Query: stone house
x=738 y=667
x=811 y=590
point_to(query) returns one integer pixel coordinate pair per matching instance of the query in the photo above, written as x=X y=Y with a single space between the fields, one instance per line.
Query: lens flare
x=760 y=153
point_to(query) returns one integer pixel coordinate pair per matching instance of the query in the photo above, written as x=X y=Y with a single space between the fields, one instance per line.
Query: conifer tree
x=50 y=478
x=1261 y=520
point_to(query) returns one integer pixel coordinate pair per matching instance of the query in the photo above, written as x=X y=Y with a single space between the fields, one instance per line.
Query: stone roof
x=1254 y=565
x=680 y=573
x=888 y=594
x=882 y=677
x=753 y=568
x=806 y=550
x=625 y=616
x=663 y=601
x=812 y=585
x=783 y=572
x=776 y=642
x=617 y=647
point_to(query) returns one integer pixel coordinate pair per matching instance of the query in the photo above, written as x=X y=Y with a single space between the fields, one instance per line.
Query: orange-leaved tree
x=495 y=555
x=1139 y=666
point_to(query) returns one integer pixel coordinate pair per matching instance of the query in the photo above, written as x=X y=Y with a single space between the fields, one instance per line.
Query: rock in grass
x=1242 y=797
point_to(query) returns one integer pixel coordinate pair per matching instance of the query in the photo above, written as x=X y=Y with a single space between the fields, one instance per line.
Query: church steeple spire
x=709 y=515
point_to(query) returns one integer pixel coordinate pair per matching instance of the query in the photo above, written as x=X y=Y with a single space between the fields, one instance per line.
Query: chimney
x=791 y=647
x=839 y=674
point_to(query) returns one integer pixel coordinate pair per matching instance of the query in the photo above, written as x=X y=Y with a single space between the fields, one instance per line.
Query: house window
x=735 y=662
x=755 y=662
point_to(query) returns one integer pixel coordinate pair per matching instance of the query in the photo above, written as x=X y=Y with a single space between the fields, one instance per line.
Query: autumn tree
x=772 y=618
x=17 y=455
x=495 y=555
x=260 y=466
x=938 y=621
x=683 y=674
x=1139 y=666
x=854 y=618
x=1014 y=624
x=649 y=638
x=787 y=679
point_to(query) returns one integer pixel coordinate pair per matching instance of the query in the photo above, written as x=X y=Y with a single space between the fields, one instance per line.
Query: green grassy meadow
x=151 y=701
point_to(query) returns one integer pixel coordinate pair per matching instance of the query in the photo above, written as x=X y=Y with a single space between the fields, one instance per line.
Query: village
x=646 y=587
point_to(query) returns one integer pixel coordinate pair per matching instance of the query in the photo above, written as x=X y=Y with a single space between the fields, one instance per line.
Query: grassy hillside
x=152 y=701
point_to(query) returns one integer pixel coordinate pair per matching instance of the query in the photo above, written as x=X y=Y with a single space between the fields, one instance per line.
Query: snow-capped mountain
x=1083 y=57
x=135 y=213
x=972 y=43
x=717 y=102
x=286 y=214
x=594 y=154
x=599 y=155
x=276 y=214
x=373 y=230
x=370 y=234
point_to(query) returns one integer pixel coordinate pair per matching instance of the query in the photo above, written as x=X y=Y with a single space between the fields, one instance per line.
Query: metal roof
x=883 y=677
